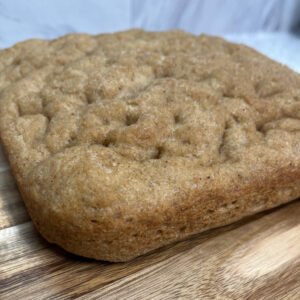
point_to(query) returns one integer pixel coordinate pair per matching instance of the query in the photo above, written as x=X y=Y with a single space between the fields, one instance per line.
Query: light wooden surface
x=257 y=258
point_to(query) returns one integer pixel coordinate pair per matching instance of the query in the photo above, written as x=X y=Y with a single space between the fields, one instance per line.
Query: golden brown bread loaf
x=125 y=142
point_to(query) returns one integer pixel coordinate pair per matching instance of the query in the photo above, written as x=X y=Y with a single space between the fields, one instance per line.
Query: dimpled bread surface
x=122 y=143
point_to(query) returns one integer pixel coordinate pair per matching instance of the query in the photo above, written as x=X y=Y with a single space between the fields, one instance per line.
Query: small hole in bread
x=177 y=119
x=94 y=221
x=90 y=99
x=158 y=153
x=131 y=119
x=182 y=228
x=186 y=141
x=108 y=141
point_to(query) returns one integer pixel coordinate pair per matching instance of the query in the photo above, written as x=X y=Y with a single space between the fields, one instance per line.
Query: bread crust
x=123 y=143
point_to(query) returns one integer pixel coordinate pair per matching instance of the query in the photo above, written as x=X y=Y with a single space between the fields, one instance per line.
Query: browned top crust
x=139 y=118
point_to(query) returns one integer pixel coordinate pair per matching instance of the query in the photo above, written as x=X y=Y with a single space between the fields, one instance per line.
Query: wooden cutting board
x=257 y=258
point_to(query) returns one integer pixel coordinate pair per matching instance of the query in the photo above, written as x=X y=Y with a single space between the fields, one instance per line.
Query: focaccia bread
x=125 y=142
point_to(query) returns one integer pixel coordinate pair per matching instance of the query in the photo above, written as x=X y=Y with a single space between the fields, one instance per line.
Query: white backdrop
x=21 y=19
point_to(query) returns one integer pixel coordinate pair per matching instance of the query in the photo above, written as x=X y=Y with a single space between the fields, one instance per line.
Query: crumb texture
x=136 y=117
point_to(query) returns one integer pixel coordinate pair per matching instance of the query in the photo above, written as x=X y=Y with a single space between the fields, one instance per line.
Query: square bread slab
x=122 y=143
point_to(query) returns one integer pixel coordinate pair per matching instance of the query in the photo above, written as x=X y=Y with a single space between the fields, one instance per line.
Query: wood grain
x=12 y=209
x=257 y=258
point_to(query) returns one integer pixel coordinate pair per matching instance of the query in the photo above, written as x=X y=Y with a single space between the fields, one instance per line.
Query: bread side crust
x=125 y=231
